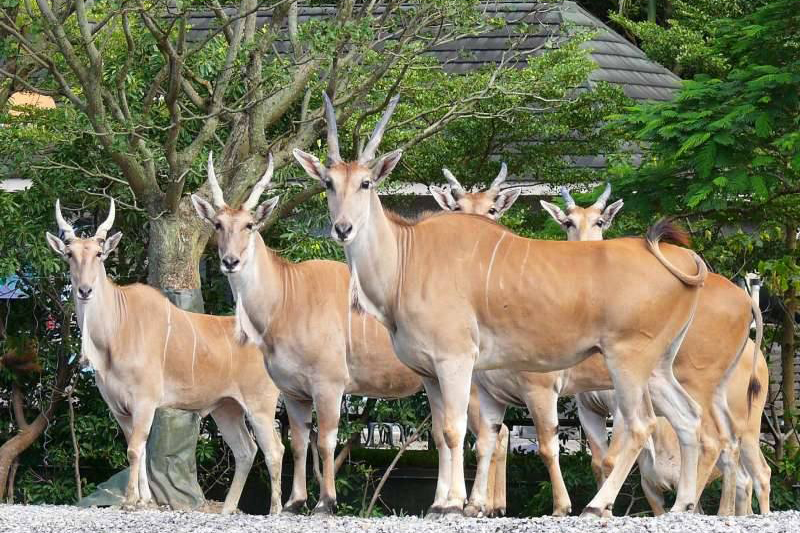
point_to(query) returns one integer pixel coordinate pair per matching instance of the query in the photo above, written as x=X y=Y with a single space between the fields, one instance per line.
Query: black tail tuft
x=753 y=390
x=666 y=230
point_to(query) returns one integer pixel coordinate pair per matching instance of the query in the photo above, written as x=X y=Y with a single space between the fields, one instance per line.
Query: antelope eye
x=365 y=184
x=599 y=223
x=568 y=223
x=249 y=226
x=329 y=185
x=217 y=226
x=99 y=254
x=492 y=211
x=69 y=255
x=457 y=208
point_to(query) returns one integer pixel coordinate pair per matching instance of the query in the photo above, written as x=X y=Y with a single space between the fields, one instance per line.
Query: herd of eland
x=457 y=304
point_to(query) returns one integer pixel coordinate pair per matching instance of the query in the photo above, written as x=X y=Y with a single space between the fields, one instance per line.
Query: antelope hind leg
x=491 y=418
x=230 y=421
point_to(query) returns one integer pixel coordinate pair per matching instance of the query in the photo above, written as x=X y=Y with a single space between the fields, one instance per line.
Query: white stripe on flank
x=230 y=348
x=194 y=341
x=169 y=331
x=525 y=261
x=491 y=264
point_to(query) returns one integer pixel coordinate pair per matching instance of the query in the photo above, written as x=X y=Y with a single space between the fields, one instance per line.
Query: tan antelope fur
x=147 y=354
x=657 y=464
x=705 y=364
x=459 y=292
x=498 y=388
x=315 y=347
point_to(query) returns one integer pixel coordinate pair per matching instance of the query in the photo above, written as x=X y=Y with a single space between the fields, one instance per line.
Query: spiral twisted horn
x=69 y=232
x=333 y=134
x=455 y=186
x=259 y=187
x=103 y=229
x=368 y=154
x=567 y=198
x=501 y=177
x=216 y=191
x=600 y=203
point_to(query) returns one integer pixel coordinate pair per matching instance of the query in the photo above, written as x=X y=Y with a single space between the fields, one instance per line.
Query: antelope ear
x=555 y=211
x=264 y=210
x=110 y=244
x=506 y=199
x=56 y=244
x=384 y=165
x=443 y=198
x=204 y=209
x=310 y=164
x=610 y=212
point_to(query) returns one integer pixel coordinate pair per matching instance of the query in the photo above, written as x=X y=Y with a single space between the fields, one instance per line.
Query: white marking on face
x=491 y=264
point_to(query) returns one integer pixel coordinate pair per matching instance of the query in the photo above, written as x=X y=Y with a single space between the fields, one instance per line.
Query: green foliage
x=685 y=44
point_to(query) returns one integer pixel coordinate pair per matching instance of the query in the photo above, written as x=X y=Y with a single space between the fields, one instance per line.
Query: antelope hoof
x=473 y=511
x=294 y=508
x=592 y=512
x=453 y=510
x=562 y=511
x=325 y=507
x=682 y=508
x=434 y=513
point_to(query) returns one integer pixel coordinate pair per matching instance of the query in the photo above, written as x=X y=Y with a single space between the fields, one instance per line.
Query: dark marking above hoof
x=591 y=512
x=453 y=510
x=325 y=507
x=473 y=511
x=295 y=508
x=434 y=513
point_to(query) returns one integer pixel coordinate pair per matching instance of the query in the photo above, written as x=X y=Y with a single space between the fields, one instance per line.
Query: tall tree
x=726 y=152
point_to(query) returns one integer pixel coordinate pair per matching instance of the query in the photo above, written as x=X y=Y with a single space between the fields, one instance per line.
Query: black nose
x=84 y=292
x=230 y=262
x=343 y=229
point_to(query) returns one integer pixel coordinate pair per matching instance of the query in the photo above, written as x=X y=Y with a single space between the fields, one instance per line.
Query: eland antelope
x=147 y=354
x=315 y=347
x=457 y=294
x=657 y=464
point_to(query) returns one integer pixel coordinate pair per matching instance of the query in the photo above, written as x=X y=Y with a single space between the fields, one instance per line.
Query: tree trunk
x=787 y=340
x=177 y=241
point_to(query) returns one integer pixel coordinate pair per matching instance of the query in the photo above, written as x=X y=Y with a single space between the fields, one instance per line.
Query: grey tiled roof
x=618 y=61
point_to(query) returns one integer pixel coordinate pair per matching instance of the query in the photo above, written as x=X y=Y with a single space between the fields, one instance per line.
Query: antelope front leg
x=141 y=421
x=543 y=406
x=498 y=502
x=437 y=430
x=328 y=409
x=300 y=423
x=455 y=376
x=489 y=423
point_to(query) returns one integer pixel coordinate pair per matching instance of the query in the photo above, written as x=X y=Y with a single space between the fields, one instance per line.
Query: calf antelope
x=657 y=464
x=315 y=347
x=147 y=354
x=456 y=294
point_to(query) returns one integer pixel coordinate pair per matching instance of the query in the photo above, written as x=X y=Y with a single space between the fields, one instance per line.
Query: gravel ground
x=66 y=519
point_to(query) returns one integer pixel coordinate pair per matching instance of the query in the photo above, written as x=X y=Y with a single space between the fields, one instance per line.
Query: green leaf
x=694 y=141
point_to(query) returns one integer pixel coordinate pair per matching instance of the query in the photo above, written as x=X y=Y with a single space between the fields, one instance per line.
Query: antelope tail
x=666 y=230
x=754 y=387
